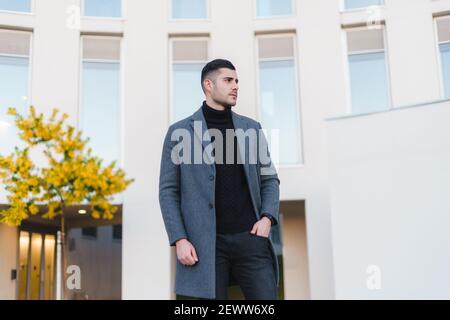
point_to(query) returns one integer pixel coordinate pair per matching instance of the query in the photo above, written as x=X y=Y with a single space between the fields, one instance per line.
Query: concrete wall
x=146 y=254
x=390 y=176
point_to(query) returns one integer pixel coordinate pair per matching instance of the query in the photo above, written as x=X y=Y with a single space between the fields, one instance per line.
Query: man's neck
x=214 y=105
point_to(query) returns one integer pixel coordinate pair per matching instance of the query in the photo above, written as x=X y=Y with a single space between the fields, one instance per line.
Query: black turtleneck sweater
x=234 y=209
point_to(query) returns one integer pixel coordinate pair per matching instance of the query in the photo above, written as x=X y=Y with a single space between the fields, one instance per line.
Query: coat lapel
x=239 y=123
x=197 y=119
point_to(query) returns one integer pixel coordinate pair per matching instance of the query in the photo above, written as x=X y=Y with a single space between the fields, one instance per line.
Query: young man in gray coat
x=219 y=196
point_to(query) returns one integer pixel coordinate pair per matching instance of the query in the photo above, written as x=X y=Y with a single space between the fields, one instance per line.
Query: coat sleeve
x=169 y=192
x=270 y=190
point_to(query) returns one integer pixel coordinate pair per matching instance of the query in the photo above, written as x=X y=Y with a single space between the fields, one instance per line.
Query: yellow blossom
x=73 y=175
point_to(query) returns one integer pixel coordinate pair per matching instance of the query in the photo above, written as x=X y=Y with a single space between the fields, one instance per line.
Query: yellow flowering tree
x=71 y=175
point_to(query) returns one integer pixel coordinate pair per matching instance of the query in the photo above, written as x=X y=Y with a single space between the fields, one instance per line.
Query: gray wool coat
x=186 y=196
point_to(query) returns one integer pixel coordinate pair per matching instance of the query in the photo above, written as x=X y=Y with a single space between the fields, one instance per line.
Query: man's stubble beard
x=225 y=103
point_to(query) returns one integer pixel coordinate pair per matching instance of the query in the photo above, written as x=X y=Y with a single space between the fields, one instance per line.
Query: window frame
x=344 y=9
x=32 y=10
x=439 y=55
x=206 y=19
x=283 y=16
x=122 y=12
x=85 y=233
x=115 y=232
x=30 y=62
x=299 y=115
x=346 y=55
x=121 y=159
x=206 y=38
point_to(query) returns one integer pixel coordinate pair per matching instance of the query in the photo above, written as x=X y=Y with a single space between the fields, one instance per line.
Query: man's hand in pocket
x=262 y=227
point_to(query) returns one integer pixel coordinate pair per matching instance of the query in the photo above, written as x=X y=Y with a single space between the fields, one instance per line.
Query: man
x=217 y=204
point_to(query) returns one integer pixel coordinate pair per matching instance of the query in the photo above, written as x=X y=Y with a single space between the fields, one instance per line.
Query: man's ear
x=208 y=83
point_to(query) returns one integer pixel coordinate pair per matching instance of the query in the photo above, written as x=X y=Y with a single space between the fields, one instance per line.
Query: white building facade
x=358 y=89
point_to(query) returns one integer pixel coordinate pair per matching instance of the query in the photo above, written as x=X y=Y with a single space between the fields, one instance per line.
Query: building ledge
x=348 y=116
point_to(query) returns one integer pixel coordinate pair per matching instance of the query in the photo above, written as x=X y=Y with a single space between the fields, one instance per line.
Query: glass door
x=36 y=266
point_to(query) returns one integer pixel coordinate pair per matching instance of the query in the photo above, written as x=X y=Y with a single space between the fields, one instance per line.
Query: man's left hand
x=262 y=227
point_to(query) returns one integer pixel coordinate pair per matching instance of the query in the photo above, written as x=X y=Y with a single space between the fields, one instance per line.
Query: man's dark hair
x=213 y=66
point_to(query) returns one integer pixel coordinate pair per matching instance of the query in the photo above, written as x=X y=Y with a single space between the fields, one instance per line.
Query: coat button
x=211 y=177
x=211 y=206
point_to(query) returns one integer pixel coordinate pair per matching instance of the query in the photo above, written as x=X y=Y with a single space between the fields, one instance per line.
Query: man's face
x=224 y=89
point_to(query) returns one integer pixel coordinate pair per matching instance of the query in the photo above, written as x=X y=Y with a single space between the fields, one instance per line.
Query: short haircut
x=213 y=66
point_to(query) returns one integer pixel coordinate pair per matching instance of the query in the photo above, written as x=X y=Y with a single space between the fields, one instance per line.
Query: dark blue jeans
x=247 y=258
